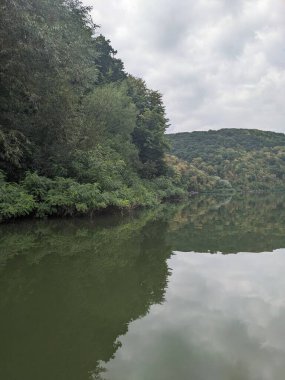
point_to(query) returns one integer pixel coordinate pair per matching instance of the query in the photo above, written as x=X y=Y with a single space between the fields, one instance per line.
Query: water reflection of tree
x=76 y=284
x=74 y=291
x=254 y=223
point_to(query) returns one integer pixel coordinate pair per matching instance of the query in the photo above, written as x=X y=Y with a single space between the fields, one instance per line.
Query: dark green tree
x=149 y=133
x=111 y=68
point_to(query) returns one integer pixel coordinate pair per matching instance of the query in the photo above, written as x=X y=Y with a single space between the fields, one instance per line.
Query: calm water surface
x=182 y=292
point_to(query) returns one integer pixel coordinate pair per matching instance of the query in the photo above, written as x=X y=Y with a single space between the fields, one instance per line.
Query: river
x=188 y=291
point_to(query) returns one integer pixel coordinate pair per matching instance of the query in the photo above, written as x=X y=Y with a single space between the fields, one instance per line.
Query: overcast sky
x=218 y=63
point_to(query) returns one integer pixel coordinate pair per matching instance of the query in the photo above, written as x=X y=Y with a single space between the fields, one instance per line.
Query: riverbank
x=40 y=197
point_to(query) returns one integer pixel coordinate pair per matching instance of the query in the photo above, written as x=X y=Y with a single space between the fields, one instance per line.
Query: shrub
x=15 y=201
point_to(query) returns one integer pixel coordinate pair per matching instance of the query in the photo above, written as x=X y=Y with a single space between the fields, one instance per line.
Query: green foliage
x=165 y=189
x=63 y=196
x=148 y=134
x=47 y=62
x=63 y=89
x=102 y=165
x=12 y=147
x=111 y=69
x=107 y=112
x=245 y=159
x=42 y=196
x=15 y=201
x=207 y=145
x=78 y=134
x=193 y=179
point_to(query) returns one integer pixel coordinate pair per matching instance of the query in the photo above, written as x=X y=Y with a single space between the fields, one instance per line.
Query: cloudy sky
x=218 y=63
x=221 y=320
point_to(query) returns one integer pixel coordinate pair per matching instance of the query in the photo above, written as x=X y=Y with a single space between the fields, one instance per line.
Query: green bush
x=15 y=201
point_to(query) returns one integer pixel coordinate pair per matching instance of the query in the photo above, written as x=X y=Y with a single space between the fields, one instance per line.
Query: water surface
x=188 y=291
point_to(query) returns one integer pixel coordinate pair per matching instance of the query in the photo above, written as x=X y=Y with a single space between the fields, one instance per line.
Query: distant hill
x=248 y=159
x=189 y=145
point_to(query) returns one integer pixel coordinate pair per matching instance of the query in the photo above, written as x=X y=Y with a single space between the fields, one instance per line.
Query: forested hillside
x=247 y=159
x=77 y=133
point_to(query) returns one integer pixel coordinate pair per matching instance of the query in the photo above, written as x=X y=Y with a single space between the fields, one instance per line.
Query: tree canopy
x=77 y=133
x=247 y=159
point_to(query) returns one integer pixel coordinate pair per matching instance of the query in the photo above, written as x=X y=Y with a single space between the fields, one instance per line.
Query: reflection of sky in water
x=223 y=319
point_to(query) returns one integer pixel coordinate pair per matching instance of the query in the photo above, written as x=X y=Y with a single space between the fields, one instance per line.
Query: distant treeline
x=243 y=159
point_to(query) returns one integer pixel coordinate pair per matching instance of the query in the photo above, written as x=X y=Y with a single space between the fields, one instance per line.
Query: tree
x=111 y=68
x=151 y=125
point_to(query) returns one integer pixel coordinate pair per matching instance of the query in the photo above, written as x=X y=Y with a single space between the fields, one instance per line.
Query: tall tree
x=111 y=68
x=151 y=125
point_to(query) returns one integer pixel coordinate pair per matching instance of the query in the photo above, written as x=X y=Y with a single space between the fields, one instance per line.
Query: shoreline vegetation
x=79 y=135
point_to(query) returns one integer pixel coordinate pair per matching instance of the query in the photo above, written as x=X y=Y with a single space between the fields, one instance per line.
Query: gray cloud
x=218 y=63
x=221 y=319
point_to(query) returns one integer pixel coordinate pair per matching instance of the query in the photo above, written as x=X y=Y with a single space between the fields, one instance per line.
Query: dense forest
x=79 y=134
x=243 y=159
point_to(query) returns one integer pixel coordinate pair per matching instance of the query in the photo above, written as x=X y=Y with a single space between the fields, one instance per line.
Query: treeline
x=243 y=159
x=77 y=133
